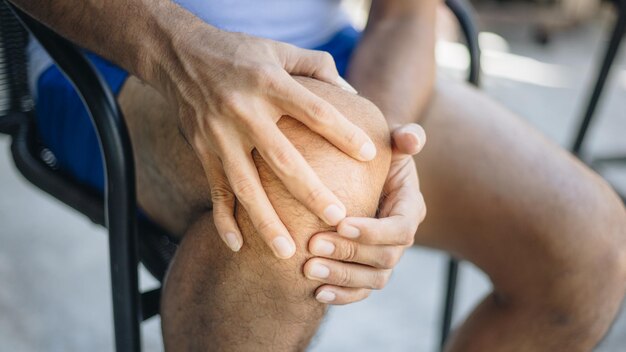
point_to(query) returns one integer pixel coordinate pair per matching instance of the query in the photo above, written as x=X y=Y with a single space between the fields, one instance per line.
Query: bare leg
x=250 y=301
x=550 y=234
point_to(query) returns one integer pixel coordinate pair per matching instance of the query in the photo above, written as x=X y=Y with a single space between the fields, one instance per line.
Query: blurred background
x=539 y=58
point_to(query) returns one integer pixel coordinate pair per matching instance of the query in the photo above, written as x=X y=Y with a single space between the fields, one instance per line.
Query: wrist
x=168 y=32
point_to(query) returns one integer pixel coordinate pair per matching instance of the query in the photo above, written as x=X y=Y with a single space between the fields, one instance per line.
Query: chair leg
x=125 y=289
x=463 y=11
x=448 y=308
x=609 y=57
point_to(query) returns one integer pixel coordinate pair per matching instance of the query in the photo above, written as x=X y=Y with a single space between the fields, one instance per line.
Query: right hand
x=231 y=89
x=360 y=256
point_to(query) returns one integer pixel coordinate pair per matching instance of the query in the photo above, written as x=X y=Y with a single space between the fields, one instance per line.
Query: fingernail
x=319 y=271
x=345 y=85
x=283 y=247
x=325 y=296
x=349 y=231
x=232 y=240
x=414 y=135
x=323 y=247
x=334 y=214
x=368 y=151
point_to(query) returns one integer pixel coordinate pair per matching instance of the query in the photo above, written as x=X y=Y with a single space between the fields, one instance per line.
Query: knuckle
x=244 y=188
x=326 y=59
x=266 y=225
x=343 y=277
x=264 y=75
x=349 y=251
x=220 y=193
x=230 y=101
x=407 y=236
x=423 y=212
x=314 y=195
x=321 y=114
x=389 y=258
x=285 y=161
x=366 y=293
x=381 y=277
x=352 y=136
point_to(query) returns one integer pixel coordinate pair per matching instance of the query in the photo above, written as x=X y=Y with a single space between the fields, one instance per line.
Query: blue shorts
x=65 y=127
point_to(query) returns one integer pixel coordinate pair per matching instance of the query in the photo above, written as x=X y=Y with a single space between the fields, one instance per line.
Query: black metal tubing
x=156 y=247
x=452 y=276
x=54 y=182
x=611 y=51
x=463 y=12
x=120 y=175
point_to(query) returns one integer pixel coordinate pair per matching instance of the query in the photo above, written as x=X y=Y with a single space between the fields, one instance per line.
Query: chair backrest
x=14 y=93
x=15 y=98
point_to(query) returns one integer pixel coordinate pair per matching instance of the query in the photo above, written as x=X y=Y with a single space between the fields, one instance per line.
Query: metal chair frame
x=117 y=209
x=130 y=239
x=586 y=121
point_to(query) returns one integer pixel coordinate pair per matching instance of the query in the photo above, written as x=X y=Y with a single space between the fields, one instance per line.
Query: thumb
x=408 y=139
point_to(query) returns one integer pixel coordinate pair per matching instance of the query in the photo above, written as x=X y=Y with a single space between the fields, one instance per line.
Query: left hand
x=360 y=256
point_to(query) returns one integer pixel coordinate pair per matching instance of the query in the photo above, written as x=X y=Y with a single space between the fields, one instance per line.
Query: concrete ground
x=54 y=278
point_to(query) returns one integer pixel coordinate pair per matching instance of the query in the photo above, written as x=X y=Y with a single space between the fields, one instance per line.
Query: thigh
x=500 y=194
x=171 y=185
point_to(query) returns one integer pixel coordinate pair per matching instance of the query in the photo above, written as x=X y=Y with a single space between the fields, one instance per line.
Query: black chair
x=619 y=29
x=131 y=239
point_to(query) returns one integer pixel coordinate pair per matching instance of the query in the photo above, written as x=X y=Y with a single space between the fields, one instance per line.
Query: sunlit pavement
x=54 y=284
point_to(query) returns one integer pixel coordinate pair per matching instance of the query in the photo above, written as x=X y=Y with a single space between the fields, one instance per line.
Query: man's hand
x=360 y=255
x=231 y=89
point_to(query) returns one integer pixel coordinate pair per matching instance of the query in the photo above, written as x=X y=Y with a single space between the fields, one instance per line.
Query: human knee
x=596 y=220
x=581 y=279
x=602 y=251
x=357 y=184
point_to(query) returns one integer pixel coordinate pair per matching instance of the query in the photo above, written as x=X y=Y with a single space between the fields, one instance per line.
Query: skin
x=547 y=231
x=229 y=94
x=254 y=301
x=220 y=83
x=552 y=243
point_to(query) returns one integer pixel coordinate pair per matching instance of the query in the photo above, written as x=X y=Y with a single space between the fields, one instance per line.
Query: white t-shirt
x=305 y=23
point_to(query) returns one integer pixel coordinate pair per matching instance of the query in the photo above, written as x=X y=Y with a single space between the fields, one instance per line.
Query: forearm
x=394 y=64
x=136 y=35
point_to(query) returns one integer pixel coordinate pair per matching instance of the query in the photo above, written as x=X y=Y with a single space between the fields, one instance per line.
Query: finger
x=244 y=181
x=316 y=64
x=395 y=230
x=331 y=246
x=324 y=119
x=296 y=174
x=223 y=201
x=346 y=274
x=408 y=139
x=335 y=295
